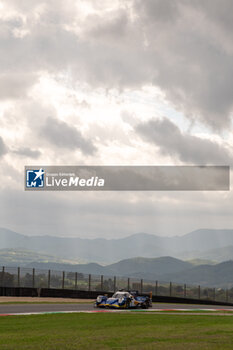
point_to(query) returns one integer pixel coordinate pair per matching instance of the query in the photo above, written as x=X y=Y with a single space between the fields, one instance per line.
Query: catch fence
x=37 y=278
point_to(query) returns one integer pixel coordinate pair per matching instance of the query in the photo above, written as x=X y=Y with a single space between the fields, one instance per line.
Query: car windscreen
x=120 y=295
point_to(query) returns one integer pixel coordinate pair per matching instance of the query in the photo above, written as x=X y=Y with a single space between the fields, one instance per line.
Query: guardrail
x=19 y=277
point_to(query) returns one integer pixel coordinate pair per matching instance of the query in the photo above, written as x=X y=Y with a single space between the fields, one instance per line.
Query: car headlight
x=99 y=299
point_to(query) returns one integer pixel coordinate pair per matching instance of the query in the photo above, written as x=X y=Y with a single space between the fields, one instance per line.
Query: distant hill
x=203 y=240
x=220 y=275
x=218 y=254
x=94 y=250
x=193 y=245
x=92 y=268
x=197 y=262
x=141 y=255
x=11 y=239
x=129 y=267
x=142 y=266
x=22 y=257
x=163 y=269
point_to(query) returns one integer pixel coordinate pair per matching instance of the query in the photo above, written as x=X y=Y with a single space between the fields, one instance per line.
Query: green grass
x=115 y=331
x=196 y=311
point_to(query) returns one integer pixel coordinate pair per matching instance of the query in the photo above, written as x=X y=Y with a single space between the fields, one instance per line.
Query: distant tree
x=6 y=279
x=41 y=280
x=27 y=280
x=108 y=285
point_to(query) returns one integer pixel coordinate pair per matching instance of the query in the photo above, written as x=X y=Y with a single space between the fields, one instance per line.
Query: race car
x=124 y=300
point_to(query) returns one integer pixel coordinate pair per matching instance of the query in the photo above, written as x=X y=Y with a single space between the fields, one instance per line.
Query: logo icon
x=35 y=178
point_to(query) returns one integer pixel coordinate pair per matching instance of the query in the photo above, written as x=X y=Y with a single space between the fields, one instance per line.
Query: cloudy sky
x=124 y=82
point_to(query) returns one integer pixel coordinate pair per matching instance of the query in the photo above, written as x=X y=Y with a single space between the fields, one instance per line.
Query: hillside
x=197 y=262
x=92 y=268
x=219 y=275
x=219 y=254
x=197 y=244
x=94 y=250
x=128 y=267
x=163 y=269
x=22 y=257
x=143 y=266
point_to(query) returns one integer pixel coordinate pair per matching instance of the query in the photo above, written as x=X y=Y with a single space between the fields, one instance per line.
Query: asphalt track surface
x=43 y=308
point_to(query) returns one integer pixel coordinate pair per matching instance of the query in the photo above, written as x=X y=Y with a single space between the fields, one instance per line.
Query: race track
x=7 y=309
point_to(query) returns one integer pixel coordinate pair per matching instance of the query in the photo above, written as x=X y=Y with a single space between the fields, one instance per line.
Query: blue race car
x=124 y=300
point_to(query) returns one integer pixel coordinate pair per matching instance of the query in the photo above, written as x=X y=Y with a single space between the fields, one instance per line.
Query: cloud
x=188 y=148
x=157 y=10
x=112 y=214
x=3 y=148
x=15 y=85
x=56 y=54
x=192 y=55
x=28 y=152
x=63 y=135
x=185 y=48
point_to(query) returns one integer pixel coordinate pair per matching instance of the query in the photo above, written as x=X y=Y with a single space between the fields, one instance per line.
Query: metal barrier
x=20 y=277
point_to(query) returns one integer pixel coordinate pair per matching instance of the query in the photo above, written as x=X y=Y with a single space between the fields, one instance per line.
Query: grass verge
x=115 y=331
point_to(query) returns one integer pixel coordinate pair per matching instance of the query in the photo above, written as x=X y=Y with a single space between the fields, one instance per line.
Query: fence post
x=89 y=282
x=101 y=282
x=156 y=287
x=141 y=286
x=76 y=280
x=114 y=285
x=33 y=278
x=184 y=290
x=48 y=278
x=227 y=295
x=214 y=294
x=128 y=283
x=18 y=276
x=170 y=289
x=199 y=292
x=63 y=279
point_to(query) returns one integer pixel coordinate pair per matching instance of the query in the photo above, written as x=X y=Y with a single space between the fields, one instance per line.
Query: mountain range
x=208 y=254
x=164 y=269
x=216 y=245
x=134 y=267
